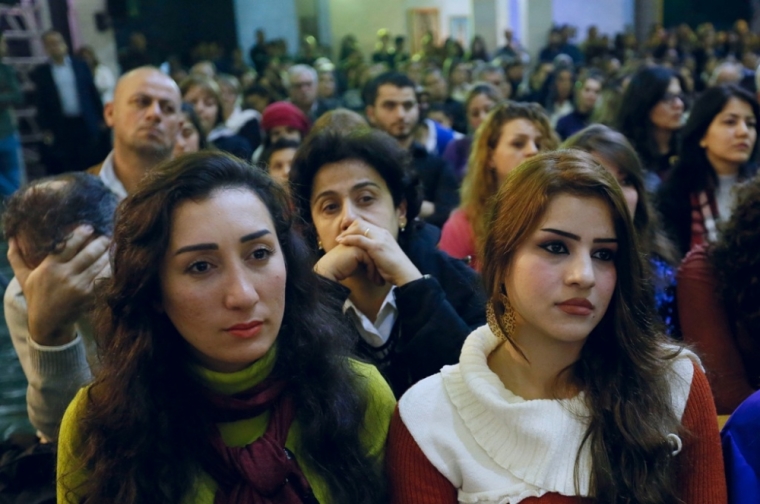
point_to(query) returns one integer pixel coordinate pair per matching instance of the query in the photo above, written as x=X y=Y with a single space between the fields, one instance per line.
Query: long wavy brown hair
x=623 y=365
x=144 y=436
x=479 y=184
x=735 y=257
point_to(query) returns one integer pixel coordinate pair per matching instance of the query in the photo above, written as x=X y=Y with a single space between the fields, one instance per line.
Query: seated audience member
x=38 y=220
x=586 y=98
x=392 y=107
x=650 y=116
x=740 y=437
x=460 y=79
x=341 y=120
x=302 y=91
x=494 y=75
x=204 y=95
x=510 y=134
x=190 y=137
x=559 y=95
x=257 y=98
x=436 y=85
x=718 y=144
x=481 y=99
x=246 y=123
x=718 y=292
x=225 y=374
x=567 y=394
x=439 y=114
x=411 y=303
x=278 y=158
x=616 y=155
x=282 y=120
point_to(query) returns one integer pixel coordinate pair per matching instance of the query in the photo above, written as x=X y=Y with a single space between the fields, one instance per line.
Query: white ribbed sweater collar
x=537 y=440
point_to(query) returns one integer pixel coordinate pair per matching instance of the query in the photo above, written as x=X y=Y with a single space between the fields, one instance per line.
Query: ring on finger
x=366 y=233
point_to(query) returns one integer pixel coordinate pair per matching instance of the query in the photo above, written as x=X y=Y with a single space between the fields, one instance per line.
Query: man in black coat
x=392 y=107
x=69 y=110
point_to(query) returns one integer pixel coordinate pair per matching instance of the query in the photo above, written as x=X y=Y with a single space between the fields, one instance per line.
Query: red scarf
x=263 y=472
x=704 y=211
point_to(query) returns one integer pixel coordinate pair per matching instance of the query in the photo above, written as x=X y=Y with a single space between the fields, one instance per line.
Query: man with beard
x=392 y=107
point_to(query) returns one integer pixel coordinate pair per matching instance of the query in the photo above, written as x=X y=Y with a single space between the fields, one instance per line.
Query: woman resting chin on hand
x=412 y=305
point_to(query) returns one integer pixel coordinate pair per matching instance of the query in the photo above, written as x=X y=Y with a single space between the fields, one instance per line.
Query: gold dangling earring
x=505 y=325
x=319 y=244
x=402 y=224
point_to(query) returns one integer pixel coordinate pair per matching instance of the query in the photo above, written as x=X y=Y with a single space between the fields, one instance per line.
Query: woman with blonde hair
x=568 y=394
x=512 y=133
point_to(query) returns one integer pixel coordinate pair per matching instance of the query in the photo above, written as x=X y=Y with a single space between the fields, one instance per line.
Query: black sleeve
x=446 y=194
x=432 y=329
x=251 y=131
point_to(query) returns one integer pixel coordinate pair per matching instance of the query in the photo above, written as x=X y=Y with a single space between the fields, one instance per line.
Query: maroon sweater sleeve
x=702 y=478
x=705 y=325
x=412 y=478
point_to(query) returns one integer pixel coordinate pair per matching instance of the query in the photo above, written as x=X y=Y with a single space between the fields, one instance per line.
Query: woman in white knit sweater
x=568 y=392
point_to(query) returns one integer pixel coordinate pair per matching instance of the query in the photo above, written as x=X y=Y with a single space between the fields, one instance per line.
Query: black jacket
x=439 y=184
x=435 y=313
x=49 y=110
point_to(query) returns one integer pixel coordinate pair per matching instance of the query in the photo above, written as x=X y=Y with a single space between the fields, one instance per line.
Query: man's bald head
x=144 y=113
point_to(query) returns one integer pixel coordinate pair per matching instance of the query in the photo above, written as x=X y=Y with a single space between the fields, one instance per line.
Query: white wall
x=84 y=32
x=446 y=10
x=536 y=23
x=278 y=19
x=610 y=16
x=363 y=18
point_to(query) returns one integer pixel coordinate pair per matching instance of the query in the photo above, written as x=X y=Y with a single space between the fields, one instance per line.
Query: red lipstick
x=576 y=306
x=246 y=330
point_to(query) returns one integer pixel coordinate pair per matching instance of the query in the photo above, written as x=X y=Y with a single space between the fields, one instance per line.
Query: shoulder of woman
x=425 y=405
x=681 y=371
x=379 y=393
x=380 y=406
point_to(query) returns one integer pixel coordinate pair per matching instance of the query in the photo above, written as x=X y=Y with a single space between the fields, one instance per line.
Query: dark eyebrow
x=253 y=236
x=199 y=246
x=360 y=185
x=578 y=238
x=214 y=246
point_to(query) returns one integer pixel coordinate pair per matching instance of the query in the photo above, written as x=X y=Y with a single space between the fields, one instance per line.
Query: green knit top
x=381 y=404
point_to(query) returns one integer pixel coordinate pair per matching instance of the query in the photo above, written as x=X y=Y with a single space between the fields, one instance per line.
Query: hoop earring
x=502 y=327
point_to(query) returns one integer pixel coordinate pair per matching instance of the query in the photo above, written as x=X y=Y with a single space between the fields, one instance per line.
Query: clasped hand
x=365 y=248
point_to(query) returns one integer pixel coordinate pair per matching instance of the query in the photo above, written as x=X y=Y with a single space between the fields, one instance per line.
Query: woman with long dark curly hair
x=718 y=150
x=225 y=374
x=650 y=116
x=568 y=394
x=718 y=289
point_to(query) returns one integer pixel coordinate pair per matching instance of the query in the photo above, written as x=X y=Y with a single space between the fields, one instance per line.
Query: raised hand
x=59 y=290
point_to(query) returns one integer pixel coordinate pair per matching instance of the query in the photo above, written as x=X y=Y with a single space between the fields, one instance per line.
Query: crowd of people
x=450 y=276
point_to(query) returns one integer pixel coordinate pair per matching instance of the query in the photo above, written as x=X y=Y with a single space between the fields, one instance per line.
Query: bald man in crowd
x=45 y=308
